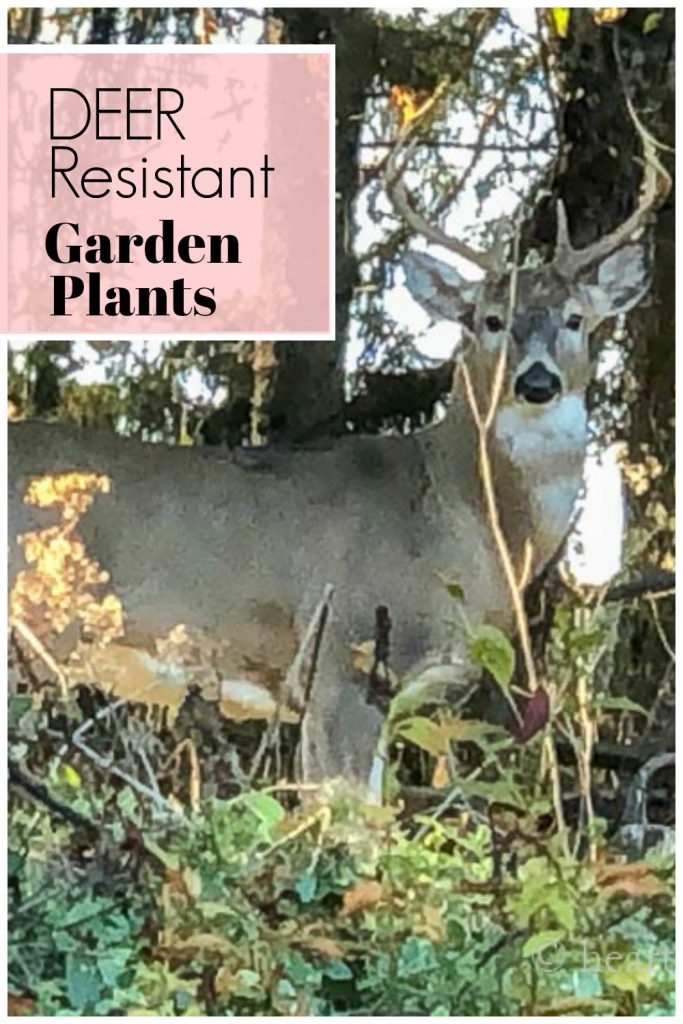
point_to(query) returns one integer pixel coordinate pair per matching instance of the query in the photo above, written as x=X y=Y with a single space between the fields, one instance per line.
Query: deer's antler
x=655 y=186
x=568 y=261
x=398 y=194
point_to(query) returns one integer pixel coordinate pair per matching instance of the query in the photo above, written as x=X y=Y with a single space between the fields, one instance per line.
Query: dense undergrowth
x=287 y=902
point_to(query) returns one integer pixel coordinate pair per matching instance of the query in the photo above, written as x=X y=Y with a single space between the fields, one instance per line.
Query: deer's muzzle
x=538 y=384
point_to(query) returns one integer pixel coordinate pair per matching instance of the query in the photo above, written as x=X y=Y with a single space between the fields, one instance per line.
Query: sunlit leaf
x=559 y=19
x=425 y=734
x=651 y=22
x=608 y=15
x=489 y=648
x=362 y=895
x=70 y=776
x=629 y=975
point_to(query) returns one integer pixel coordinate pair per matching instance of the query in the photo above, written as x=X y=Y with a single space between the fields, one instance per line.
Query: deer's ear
x=438 y=286
x=621 y=281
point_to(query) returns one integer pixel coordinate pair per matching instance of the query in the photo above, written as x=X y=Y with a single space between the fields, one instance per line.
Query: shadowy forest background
x=228 y=894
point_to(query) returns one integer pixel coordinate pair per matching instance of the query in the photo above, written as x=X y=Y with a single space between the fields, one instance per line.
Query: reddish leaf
x=535 y=711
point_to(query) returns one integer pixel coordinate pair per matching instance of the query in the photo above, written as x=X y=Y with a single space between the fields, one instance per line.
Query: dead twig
x=38 y=648
x=484 y=421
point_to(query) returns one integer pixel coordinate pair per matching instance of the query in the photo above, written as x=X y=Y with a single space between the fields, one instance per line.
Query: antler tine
x=562 y=243
x=398 y=195
x=655 y=186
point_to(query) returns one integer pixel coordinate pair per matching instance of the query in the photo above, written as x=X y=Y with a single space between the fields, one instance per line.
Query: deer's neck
x=537 y=457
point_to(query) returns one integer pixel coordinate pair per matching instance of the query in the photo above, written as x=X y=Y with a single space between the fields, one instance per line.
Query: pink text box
x=253 y=123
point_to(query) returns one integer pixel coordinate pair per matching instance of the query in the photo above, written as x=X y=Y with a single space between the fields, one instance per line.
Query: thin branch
x=38 y=648
x=40 y=793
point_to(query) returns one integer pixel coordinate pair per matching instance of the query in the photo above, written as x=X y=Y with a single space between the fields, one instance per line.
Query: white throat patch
x=536 y=437
x=548 y=445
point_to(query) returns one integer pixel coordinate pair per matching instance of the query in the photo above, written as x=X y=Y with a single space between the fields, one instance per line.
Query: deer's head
x=541 y=317
x=544 y=317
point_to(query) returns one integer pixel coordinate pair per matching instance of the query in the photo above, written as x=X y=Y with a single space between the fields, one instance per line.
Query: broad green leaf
x=563 y=910
x=629 y=975
x=425 y=734
x=471 y=730
x=499 y=791
x=489 y=648
x=265 y=807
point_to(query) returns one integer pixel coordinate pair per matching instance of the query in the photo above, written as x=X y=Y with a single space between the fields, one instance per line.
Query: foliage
x=332 y=907
x=278 y=902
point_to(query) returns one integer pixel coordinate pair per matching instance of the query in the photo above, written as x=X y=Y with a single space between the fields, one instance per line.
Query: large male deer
x=243 y=547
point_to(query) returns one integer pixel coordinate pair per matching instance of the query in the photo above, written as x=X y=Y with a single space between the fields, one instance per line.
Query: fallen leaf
x=432 y=924
x=635 y=879
x=20 y=1006
x=363 y=656
x=362 y=895
x=440 y=777
x=322 y=944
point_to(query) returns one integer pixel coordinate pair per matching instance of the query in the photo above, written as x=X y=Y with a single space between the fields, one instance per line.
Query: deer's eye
x=574 y=321
x=493 y=323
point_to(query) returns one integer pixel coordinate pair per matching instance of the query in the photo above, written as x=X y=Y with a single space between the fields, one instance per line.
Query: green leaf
x=169 y=860
x=499 y=791
x=265 y=807
x=563 y=910
x=83 y=985
x=425 y=734
x=540 y=941
x=414 y=695
x=629 y=975
x=338 y=971
x=453 y=587
x=126 y=801
x=489 y=648
x=306 y=887
x=651 y=22
x=620 y=704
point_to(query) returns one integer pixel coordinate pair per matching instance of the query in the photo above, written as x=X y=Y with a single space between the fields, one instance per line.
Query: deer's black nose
x=537 y=384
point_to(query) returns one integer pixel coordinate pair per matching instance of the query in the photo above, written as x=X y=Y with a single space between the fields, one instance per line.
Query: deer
x=291 y=557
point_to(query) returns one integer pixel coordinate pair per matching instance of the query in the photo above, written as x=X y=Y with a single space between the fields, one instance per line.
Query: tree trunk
x=598 y=178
